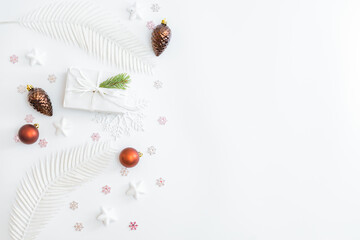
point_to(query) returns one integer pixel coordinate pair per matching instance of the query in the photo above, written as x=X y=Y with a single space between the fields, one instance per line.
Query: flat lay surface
x=250 y=129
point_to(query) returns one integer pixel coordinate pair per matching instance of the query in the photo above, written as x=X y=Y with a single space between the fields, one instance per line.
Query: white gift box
x=82 y=91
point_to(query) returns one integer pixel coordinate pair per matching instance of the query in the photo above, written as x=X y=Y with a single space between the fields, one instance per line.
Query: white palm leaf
x=42 y=191
x=84 y=24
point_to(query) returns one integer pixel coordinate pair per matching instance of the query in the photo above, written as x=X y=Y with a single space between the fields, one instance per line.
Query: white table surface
x=262 y=141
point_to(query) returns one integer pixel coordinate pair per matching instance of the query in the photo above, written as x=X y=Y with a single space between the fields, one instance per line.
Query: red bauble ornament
x=129 y=157
x=29 y=133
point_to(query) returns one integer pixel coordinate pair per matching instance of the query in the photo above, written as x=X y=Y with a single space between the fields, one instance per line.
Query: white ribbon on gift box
x=106 y=93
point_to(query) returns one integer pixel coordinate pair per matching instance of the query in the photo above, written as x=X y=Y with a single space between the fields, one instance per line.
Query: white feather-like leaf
x=43 y=189
x=85 y=25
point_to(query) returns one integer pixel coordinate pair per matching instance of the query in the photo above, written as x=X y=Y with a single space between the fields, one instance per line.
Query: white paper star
x=35 y=57
x=135 y=190
x=107 y=216
x=62 y=127
x=134 y=11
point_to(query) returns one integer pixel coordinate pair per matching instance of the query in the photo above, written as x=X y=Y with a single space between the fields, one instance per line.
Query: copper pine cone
x=40 y=101
x=160 y=38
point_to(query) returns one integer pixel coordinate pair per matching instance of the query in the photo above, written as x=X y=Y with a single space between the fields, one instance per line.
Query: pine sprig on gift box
x=119 y=81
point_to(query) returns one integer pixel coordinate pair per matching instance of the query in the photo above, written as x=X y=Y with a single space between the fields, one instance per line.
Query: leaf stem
x=8 y=22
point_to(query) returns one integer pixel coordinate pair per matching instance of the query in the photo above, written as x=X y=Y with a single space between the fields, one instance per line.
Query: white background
x=262 y=141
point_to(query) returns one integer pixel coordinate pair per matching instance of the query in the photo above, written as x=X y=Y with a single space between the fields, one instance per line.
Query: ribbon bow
x=87 y=86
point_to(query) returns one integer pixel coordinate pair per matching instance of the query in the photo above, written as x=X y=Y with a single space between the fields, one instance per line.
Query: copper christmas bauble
x=160 y=38
x=39 y=100
x=28 y=133
x=129 y=157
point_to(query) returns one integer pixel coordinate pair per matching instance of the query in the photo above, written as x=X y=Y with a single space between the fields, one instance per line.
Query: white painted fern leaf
x=84 y=24
x=42 y=191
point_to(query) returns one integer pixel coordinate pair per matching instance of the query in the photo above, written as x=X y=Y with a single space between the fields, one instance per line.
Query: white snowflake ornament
x=62 y=127
x=107 y=216
x=135 y=190
x=121 y=124
x=134 y=12
x=35 y=57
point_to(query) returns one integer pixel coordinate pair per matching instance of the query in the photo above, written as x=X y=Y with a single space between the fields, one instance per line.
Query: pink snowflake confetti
x=21 y=89
x=160 y=182
x=106 y=189
x=151 y=150
x=124 y=172
x=155 y=7
x=95 y=137
x=16 y=138
x=158 y=84
x=52 y=78
x=74 y=205
x=150 y=25
x=14 y=59
x=133 y=226
x=29 y=118
x=43 y=143
x=162 y=120
x=78 y=227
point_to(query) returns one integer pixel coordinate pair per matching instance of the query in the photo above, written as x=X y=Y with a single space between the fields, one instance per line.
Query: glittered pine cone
x=39 y=100
x=160 y=37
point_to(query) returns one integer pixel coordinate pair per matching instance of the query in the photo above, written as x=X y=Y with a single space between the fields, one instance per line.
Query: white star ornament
x=107 y=216
x=135 y=190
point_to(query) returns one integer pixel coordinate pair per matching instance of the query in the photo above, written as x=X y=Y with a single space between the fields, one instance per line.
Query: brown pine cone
x=39 y=100
x=160 y=37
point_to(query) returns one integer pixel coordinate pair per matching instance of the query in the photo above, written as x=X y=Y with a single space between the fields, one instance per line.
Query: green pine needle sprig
x=119 y=81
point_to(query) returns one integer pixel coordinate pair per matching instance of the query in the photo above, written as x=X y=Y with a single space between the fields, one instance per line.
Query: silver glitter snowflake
x=43 y=143
x=95 y=137
x=16 y=138
x=158 y=84
x=124 y=172
x=106 y=189
x=52 y=78
x=78 y=227
x=74 y=205
x=151 y=150
x=133 y=226
x=14 y=59
x=160 y=182
x=29 y=118
x=21 y=89
x=162 y=120
x=150 y=25
x=155 y=7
